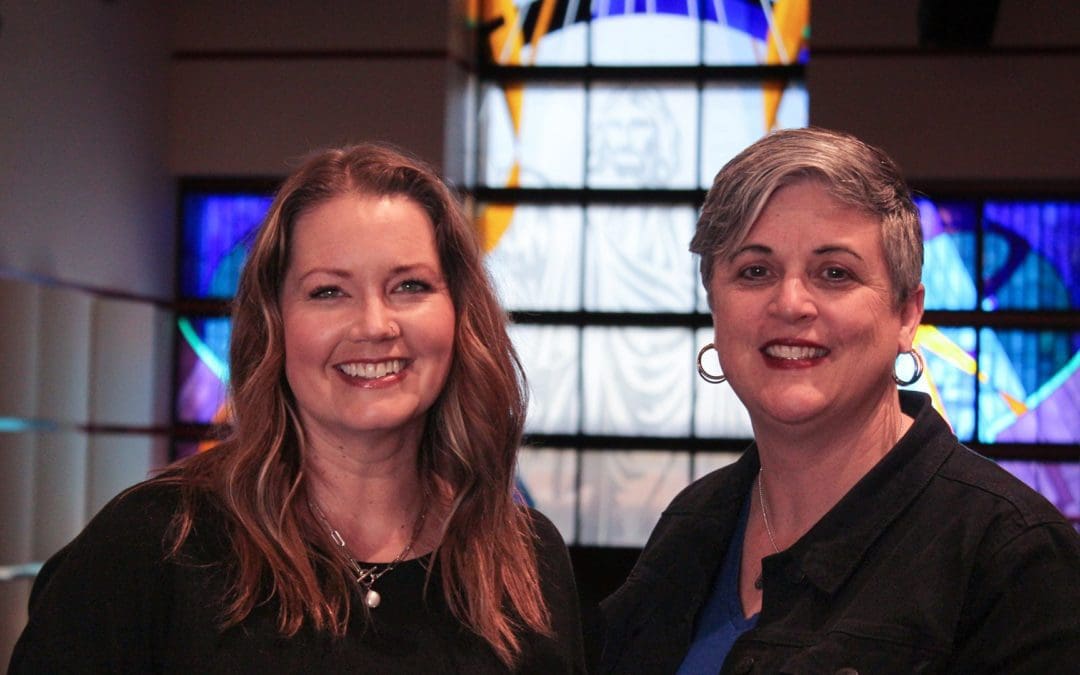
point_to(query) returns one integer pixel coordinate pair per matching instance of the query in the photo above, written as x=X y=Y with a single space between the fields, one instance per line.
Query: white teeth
x=372 y=371
x=793 y=353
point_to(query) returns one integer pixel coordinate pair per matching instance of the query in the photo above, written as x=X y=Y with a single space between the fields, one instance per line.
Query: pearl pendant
x=372 y=598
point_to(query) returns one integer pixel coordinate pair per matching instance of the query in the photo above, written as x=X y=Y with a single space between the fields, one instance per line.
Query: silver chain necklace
x=367 y=576
x=765 y=517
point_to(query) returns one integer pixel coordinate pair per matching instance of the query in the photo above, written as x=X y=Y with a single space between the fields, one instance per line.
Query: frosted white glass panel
x=536 y=263
x=645 y=39
x=725 y=44
x=624 y=493
x=636 y=259
x=707 y=462
x=637 y=381
x=718 y=413
x=549 y=355
x=643 y=136
x=548 y=477
x=734 y=116
x=532 y=136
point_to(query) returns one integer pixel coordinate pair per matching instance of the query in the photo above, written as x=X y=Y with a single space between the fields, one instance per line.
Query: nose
x=793 y=301
x=373 y=321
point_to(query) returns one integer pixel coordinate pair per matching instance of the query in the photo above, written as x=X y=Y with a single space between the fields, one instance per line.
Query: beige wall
x=255 y=88
x=1007 y=117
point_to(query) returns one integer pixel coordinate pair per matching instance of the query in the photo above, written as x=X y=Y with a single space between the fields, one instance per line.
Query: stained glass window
x=592 y=157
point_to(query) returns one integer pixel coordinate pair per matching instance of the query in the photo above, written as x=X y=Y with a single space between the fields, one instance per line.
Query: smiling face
x=806 y=324
x=368 y=318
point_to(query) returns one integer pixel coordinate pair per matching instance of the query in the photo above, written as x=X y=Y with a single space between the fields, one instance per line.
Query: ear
x=911 y=313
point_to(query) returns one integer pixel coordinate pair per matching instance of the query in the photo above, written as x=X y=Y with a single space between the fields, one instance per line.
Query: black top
x=936 y=561
x=110 y=602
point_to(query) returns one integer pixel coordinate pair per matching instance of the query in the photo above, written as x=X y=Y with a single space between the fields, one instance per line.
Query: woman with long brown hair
x=360 y=514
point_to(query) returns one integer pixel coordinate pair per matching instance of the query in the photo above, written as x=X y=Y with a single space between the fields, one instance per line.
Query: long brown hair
x=467 y=453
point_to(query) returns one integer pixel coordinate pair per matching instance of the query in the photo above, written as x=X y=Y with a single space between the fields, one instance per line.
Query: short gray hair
x=855 y=173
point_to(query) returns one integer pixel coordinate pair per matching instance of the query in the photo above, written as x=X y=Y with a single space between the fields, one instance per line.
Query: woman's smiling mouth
x=372 y=371
x=790 y=352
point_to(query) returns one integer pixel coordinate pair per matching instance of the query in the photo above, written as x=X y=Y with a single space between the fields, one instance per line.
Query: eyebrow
x=346 y=274
x=821 y=250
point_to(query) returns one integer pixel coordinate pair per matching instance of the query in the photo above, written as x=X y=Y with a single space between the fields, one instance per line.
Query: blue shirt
x=721 y=620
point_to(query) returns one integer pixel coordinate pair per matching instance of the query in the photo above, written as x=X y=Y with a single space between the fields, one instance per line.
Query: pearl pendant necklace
x=367 y=576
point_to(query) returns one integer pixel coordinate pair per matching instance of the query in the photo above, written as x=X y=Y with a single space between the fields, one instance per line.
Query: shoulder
x=992 y=492
x=134 y=519
x=129 y=537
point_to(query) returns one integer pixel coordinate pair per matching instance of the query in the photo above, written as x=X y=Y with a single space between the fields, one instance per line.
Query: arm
x=1022 y=613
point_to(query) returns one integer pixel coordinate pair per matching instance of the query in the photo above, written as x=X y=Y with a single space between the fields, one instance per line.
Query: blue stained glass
x=216 y=232
x=949 y=254
x=1031 y=255
x=742 y=15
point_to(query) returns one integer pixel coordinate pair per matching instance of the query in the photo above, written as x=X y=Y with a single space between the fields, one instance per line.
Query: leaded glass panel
x=950 y=375
x=534 y=255
x=202 y=368
x=636 y=259
x=948 y=254
x=637 y=381
x=551 y=358
x=643 y=136
x=623 y=494
x=1029 y=386
x=622 y=38
x=547 y=479
x=532 y=136
x=1031 y=255
x=736 y=115
x=215 y=236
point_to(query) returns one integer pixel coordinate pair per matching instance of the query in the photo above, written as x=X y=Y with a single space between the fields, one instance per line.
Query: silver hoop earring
x=706 y=375
x=920 y=365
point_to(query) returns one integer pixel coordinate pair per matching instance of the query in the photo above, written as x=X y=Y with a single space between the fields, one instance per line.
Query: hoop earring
x=706 y=375
x=920 y=365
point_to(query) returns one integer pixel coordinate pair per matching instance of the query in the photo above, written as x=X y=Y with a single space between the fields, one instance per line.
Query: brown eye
x=837 y=274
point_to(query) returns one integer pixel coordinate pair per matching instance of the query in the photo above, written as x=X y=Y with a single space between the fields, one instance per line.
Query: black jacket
x=936 y=561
